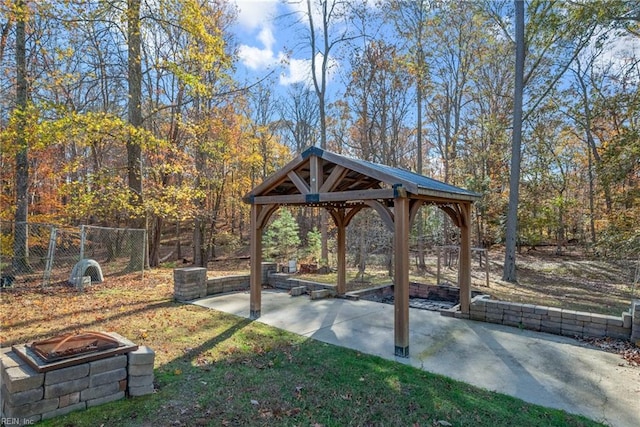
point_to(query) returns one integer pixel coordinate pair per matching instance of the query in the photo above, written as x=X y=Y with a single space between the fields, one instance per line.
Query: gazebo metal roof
x=340 y=173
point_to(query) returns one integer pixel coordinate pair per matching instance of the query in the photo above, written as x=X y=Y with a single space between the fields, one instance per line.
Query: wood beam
x=383 y=211
x=401 y=279
x=265 y=214
x=453 y=212
x=315 y=174
x=302 y=186
x=342 y=196
x=414 y=207
x=337 y=174
x=255 y=280
x=464 y=271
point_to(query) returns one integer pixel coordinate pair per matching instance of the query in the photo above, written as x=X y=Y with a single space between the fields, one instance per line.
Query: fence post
x=50 y=254
x=145 y=246
x=83 y=236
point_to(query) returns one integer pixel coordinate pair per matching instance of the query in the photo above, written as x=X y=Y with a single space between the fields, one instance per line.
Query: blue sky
x=263 y=43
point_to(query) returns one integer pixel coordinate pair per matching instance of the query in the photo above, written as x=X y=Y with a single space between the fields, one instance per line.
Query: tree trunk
x=509 y=273
x=422 y=265
x=134 y=152
x=20 y=249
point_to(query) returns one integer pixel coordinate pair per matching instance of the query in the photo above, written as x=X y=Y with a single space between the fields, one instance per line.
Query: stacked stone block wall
x=550 y=319
x=189 y=283
x=140 y=373
x=219 y=285
x=27 y=396
x=417 y=290
x=285 y=281
x=634 y=322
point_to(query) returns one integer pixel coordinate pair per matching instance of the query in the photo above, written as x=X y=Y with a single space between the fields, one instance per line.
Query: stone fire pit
x=86 y=369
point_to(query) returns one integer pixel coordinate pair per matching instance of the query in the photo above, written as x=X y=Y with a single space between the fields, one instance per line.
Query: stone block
x=554 y=312
x=319 y=294
x=9 y=359
x=59 y=389
x=626 y=320
x=531 y=323
x=599 y=319
x=79 y=406
x=614 y=321
x=66 y=374
x=514 y=308
x=493 y=317
x=21 y=397
x=571 y=330
x=594 y=330
x=105 y=399
x=528 y=308
x=141 y=391
x=583 y=316
x=572 y=323
x=21 y=378
x=140 y=370
x=107 y=377
x=618 y=332
x=298 y=290
x=30 y=409
x=511 y=320
x=569 y=314
x=108 y=364
x=494 y=307
x=142 y=356
x=69 y=399
x=99 y=391
x=541 y=309
x=140 y=380
x=476 y=315
x=551 y=327
x=512 y=313
x=478 y=308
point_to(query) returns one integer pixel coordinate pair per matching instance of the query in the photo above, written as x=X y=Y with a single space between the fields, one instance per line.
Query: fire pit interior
x=72 y=349
x=70 y=345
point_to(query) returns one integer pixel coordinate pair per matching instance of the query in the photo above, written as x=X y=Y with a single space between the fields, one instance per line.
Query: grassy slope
x=217 y=369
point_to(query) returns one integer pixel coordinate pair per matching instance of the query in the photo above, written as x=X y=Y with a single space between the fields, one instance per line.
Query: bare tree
x=509 y=273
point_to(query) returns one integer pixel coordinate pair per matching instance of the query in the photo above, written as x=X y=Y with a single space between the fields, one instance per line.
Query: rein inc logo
x=14 y=421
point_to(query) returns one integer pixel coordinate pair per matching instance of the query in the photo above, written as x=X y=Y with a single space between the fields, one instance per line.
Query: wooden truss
x=343 y=186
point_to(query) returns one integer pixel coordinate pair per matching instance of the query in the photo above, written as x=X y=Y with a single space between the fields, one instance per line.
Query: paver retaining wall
x=558 y=321
x=27 y=396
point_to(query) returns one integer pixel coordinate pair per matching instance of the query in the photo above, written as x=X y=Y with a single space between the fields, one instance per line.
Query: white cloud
x=299 y=70
x=256 y=58
x=253 y=14
x=258 y=50
x=266 y=37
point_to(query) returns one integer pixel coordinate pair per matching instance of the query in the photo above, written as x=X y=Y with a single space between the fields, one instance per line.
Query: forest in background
x=128 y=113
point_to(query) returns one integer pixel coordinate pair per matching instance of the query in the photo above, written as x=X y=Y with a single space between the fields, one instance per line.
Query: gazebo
x=343 y=186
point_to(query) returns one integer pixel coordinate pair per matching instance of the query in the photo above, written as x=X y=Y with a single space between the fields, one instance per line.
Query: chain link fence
x=50 y=252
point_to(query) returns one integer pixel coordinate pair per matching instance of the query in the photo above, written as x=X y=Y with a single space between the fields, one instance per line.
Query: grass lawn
x=217 y=369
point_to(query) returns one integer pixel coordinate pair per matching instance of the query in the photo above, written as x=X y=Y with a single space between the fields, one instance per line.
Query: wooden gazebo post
x=342 y=258
x=401 y=272
x=464 y=270
x=255 y=281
